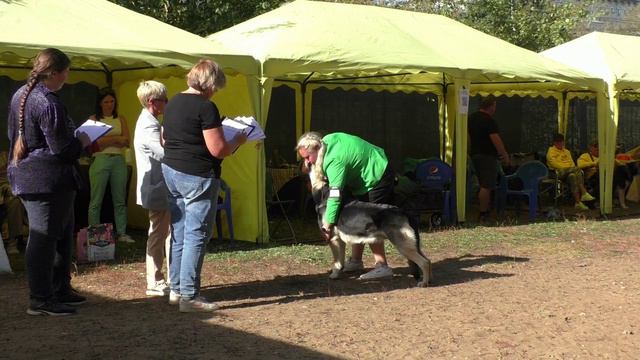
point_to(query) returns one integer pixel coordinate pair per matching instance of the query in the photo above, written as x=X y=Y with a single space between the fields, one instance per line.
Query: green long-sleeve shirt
x=351 y=164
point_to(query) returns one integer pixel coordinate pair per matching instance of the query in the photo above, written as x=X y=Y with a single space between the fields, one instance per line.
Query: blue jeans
x=192 y=206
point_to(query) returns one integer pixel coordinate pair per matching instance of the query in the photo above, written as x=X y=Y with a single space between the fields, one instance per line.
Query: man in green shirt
x=353 y=168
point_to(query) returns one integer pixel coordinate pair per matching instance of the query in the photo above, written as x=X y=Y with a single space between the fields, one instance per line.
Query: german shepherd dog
x=365 y=223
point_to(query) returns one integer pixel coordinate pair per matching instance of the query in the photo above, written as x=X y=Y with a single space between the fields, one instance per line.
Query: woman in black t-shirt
x=194 y=147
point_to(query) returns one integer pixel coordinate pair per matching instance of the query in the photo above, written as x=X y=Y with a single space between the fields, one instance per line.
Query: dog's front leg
x=337 y=249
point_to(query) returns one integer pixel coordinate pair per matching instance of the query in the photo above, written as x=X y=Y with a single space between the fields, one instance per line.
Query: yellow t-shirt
x=559 y=159
x=589 y=164
x=116 y=130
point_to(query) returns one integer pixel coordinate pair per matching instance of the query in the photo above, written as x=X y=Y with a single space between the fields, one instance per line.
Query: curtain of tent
x=448 y=109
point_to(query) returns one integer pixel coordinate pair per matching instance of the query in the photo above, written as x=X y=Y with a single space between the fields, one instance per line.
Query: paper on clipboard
x=94 y=129
x=242 y=124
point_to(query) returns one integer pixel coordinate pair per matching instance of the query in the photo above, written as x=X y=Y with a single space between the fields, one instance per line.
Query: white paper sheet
x=95 y=129
x=245 y=124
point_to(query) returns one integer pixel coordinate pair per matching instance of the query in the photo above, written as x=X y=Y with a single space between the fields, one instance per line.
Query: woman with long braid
x=43 y=153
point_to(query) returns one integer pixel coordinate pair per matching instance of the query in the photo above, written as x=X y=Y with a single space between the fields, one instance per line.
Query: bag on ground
x=95 y=243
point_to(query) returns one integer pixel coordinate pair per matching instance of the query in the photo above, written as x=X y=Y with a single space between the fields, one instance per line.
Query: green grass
x=550 y=236
x=302 y=253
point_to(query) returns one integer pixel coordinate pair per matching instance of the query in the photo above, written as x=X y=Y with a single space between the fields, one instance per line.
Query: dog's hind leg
x=337 y=249
x=404 y=240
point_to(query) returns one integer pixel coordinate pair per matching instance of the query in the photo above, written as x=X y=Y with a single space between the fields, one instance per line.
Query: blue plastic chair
x=530 y=174
x=436 y=175
x=225 y=205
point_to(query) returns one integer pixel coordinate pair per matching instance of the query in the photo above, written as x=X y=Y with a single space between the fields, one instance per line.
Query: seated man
x=560 y=160
x=588 y=162
x=624 y=171
x=622 y=175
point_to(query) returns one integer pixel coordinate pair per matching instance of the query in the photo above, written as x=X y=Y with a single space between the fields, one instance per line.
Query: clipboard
x=94 y=129
x=232 y=127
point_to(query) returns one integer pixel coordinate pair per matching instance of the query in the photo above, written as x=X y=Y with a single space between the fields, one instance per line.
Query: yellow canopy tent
x=309 y=44
x=612 y=58
x=110 y=45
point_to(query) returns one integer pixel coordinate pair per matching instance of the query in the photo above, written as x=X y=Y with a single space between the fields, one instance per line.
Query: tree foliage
x=202 y=17
x=532 y=24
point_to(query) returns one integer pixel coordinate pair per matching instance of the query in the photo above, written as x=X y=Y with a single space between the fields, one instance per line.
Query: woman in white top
x=109 y=165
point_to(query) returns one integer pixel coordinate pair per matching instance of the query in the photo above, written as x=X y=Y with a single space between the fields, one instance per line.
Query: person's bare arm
x=499 y=145
x=118 y=140
x=125 y=132
x=218 y=146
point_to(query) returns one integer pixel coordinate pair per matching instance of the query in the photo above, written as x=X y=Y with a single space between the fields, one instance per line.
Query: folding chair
x=551 y=185
x=284 y=206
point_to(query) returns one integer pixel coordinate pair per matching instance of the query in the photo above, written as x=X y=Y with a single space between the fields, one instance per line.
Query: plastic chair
x=530 y=174
x=436 y=176
x=224 y=205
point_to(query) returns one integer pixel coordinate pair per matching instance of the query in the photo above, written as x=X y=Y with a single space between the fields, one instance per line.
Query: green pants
x=572 y=176
x=111 y=169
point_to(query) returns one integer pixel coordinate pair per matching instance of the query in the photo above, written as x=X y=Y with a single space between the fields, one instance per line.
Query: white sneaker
x=351 y=266
x=174 y=298
x=197 y=304
x=587 y=197
x=159 y=289
x=125 y=239
x=379 y=272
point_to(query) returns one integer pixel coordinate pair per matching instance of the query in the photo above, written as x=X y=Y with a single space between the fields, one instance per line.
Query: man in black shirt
x=485 y=146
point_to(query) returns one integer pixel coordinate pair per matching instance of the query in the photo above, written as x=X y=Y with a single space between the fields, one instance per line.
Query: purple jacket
x=53 y=150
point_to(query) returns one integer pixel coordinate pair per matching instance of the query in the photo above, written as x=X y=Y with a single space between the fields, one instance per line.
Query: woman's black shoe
x=51 y=308
x=71 y=298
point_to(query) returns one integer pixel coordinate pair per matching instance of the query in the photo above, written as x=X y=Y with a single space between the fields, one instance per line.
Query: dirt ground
x=553 y=300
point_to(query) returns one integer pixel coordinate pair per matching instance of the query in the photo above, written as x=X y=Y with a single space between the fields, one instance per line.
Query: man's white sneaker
x=174 y=298
x=587 y=197
x=197 y=304
x=160 y=288
x=351 y=266
x=379 y=272
x=125 y=239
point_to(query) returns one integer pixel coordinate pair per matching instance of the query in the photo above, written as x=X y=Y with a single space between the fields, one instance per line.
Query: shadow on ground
x=285 y=289
x=146 y=328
